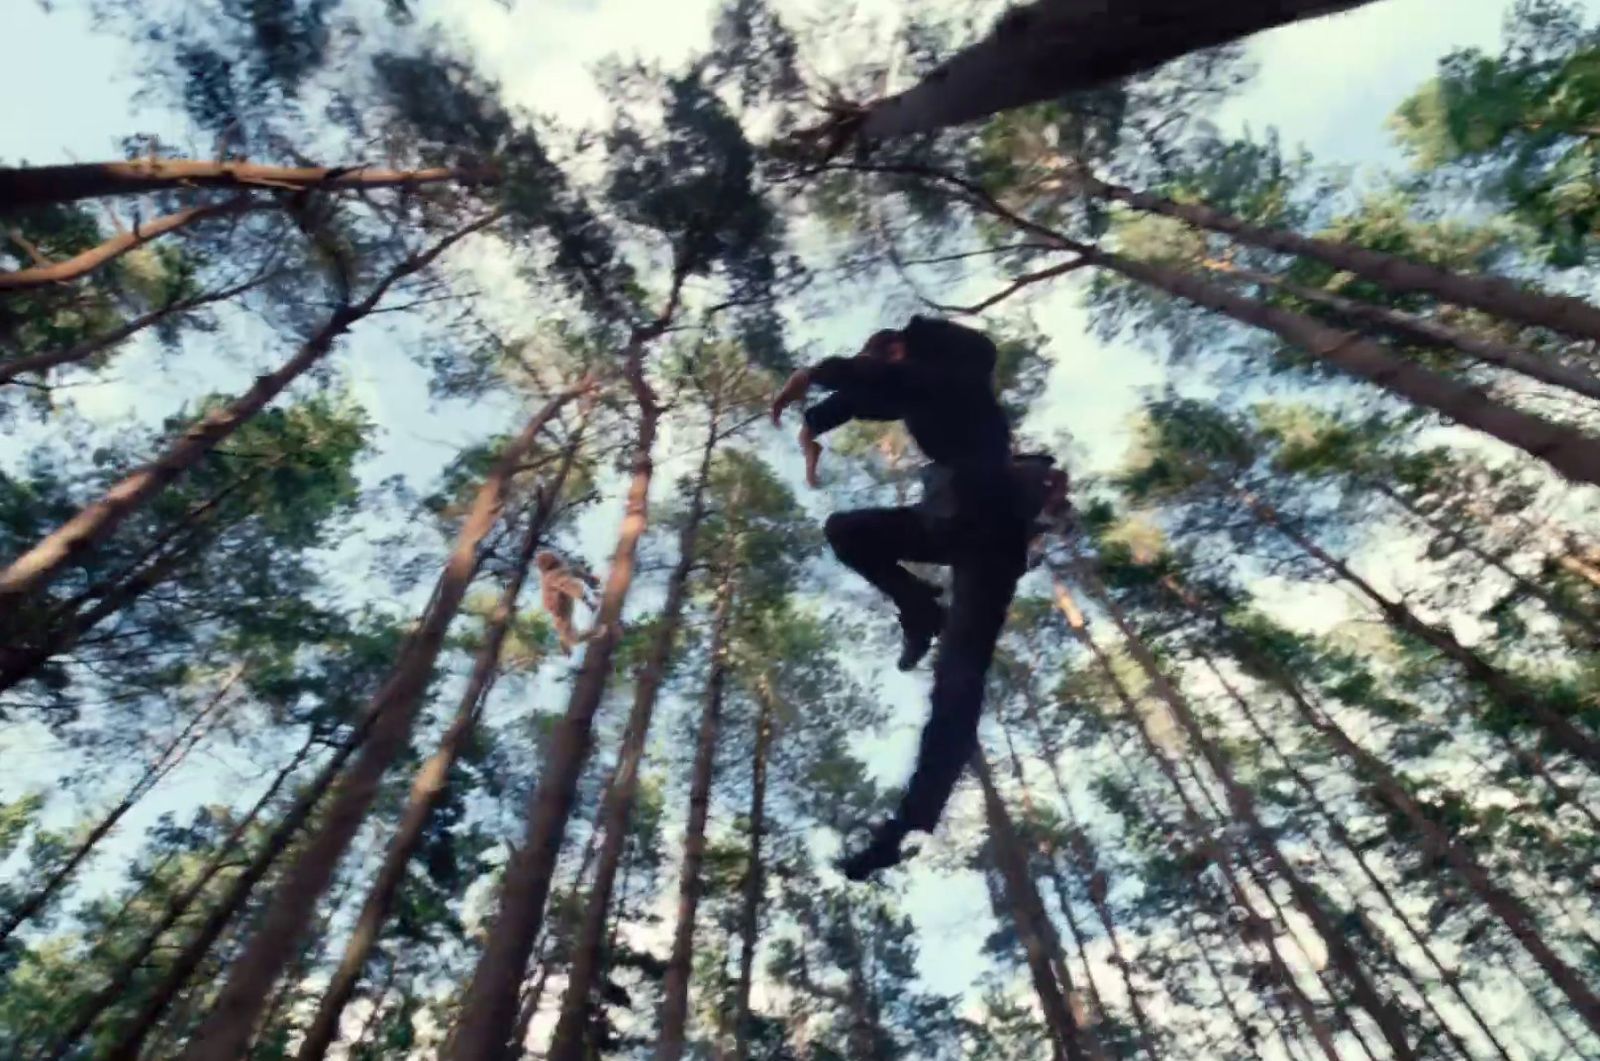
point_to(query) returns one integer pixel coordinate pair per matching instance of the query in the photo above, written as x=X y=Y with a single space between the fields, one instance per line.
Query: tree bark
x=45 y=560
x=588 y=958
x=1039 y=942
x=130 y=1043
x=1570 y=452
x=42 y=363
x=393 y=711
x=165 y=761
x=1431 y=333
x=1492 y=294
x=1390 y=1022
x=1049 y=48
x=31 y=186
x=99 y=256
x=429 y=785
x=680 y=965
x=489 y=1007
x=755 y=882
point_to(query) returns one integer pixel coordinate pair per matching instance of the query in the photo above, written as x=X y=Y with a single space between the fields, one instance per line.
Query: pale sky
x=1328 y=85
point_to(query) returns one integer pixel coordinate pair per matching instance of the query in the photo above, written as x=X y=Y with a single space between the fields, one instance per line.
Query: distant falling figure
x=561 y=587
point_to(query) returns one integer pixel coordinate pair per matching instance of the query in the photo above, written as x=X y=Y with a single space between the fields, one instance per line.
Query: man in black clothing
x=977 y=515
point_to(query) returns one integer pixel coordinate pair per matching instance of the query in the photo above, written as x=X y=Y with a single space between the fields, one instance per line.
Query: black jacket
x=943 y=390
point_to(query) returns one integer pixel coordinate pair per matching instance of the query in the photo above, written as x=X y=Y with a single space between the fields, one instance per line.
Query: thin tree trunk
x=567 y=1042
x=489 y=1007
x=1519 y=921
x=1049 y=48
x=1038 y=936
x=1510 y=691
x=755 y=883
x=1494 y=295
x=137 y=1029
x=42 y=363
x=393 y=712
x=429 y=785
x=1431 y=333
x=46 y=560
x=680 y=964
x=165 y=761
x=378 y=1000
x=98 y=257
x=1215 y=850
x=528 y=1010
x=1242 y=803
x=1570 y=452
x=1339 y=833
x=31 y=186
x=864 y=1025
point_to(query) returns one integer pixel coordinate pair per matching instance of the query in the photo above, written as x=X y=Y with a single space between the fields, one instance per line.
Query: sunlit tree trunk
x=47 y=559
x=429 y=786
x=489 y=1007
x=392 y=712
x=30 y=186
x=680 y=965
x=587 y=963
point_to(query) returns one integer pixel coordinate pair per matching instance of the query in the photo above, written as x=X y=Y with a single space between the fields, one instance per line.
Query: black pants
x=987 y=553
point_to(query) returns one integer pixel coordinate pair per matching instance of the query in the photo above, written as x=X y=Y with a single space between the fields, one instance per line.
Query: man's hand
x=812 y=451
x=791 y=392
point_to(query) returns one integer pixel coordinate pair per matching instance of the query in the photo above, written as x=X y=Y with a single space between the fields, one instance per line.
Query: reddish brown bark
x=489 y=1008
x=428 y=787
x=226 y=1030
x=755 y=881
x=45 y=560
x=99 y=256
x=40 y=185
x=567 y=1043
x=680 y=964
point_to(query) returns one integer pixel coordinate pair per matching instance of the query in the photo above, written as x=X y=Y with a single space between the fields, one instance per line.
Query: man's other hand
x=812 y=450
x=791 y=392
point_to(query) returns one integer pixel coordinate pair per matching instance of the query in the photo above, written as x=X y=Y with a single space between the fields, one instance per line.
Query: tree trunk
x=1432 y=333
x=31 y=186
x=1242 y=803
x=98 y=257
x=680 y=965
x=429 y=785
x=1214 y=849
x=393 y=711
x=42 y=363
x=1519 y=921
x=587 y=963
x=1038 y=935
x=165 y=761
x=489 y=1007
x=1509 y=690
x=45 y=560
x=1570 y=452
x=1049 y=48
x=755 y=883
x=129 y=1045
x=1494 y=295
x=528 y=1010
x=1339 y=833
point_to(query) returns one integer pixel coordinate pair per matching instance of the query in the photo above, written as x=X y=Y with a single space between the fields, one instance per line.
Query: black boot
x=883 y=850
x=919 y=625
